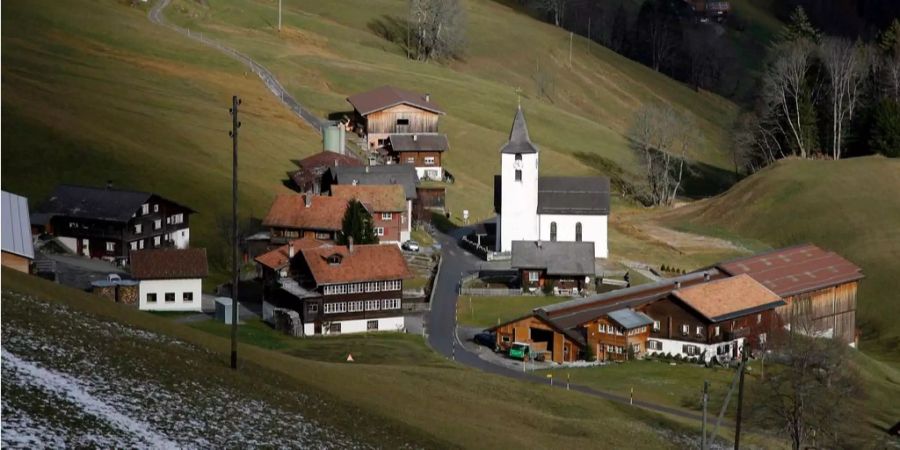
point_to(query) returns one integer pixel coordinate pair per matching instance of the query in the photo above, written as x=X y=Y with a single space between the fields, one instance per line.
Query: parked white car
x=411 y=245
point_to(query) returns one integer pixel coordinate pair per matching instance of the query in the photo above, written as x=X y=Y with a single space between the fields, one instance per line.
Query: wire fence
x=155 y=15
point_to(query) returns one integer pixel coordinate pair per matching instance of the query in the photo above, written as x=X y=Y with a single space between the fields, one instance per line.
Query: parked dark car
x=486 y=339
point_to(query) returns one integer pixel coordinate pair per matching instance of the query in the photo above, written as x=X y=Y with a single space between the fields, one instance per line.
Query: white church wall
x=593 y=229
x=518 y=200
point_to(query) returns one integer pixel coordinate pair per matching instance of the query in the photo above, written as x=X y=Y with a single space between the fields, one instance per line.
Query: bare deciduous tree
x=784 y=84
x=555 y=8
x=757 y=141
x=438 y=28
x=544 y=79
x=813 y=395
x=661 y=138
x=846 y=64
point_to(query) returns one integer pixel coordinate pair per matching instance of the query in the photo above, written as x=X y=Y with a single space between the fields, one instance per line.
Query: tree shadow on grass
x=703 y=180
x=393 y=29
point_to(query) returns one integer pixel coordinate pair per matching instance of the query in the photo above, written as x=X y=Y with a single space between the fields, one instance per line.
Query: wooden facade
x=397 y=119
x=826 y=312
x=536 y=279
x=675 y=321
x=611 y=342
x=418 y=159
x=16 y=262
x=283 y=235
x=533 y=330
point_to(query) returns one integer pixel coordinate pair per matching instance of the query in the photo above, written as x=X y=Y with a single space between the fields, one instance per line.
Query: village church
x=550 y=209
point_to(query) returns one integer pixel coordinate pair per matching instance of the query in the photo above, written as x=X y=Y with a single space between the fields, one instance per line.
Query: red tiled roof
x=387 y=96
x=375 y=262
x=794 y=270
x=728 y=297
x=279 y=258
x=290 y=211
x=169 y=263
x=377 y=198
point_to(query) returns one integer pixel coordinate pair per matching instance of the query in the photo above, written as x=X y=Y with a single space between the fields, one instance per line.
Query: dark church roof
x=573 y=195
x=519 y=142
x=114 y=205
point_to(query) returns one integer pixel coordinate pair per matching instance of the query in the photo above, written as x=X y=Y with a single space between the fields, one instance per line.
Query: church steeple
x=519 y=142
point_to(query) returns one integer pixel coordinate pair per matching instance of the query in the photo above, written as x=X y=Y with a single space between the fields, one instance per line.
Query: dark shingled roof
x=114 y=205
x=387 y=96
x=573 y=195
x=519 y=142
x=419 y=142
x=557 y=258
x=629 y=319
x=169 y=263
x=793 y=270
x=402 y=174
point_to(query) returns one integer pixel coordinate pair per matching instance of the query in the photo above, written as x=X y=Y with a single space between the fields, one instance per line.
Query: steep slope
x=850 y=206
x=92 y=91
x=327 y=51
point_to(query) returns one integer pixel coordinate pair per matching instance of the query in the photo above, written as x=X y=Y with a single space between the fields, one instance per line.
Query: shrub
x=547 y=288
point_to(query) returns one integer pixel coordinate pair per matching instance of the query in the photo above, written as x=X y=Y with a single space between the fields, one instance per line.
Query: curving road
x=443 y=337
x=156 y=16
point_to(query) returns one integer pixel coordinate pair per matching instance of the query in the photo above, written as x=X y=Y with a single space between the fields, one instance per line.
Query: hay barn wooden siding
x=598 y=341
x=563 y=350
x=832 y=308
x=385 y=121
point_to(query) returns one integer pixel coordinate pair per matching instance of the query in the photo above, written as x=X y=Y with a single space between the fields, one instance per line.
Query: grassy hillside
x=93 y=91
x=850 y=206
x=327 y=51
x=439 y=404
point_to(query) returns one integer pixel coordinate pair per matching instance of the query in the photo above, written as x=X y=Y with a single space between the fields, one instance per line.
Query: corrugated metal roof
x=17 y=226
x=557 y=258
x=630 y=319
x=793 y=270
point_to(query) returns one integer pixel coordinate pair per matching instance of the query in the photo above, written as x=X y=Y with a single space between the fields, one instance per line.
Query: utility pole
x=279 y=15
x=737 y=422
x=235 y=124
x=705 y=401
x=589 y=35
x=570 y=48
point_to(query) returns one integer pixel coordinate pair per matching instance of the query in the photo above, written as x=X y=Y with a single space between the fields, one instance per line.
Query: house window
x=110 y=246
x=552 y=231
x=387 y=216
x=145 y=209
x=723 y=349
x=717 y=330
x=372 y=325
x=336 y=307
x=410 y=159
x=691 y=350
x=505 y=339
x=636 y=348
x=312 y=308
x=429 y=160
x=138 y=228
x=141 y=244
x=578 y=232
x=134 y=245
x=655 y=325
x=354 y=306
x=602 y=328
x=379 y=231
x=518 y=174
x=534 y=277
x=187 y=297
x=170 y=297
x=177 y=218
x=334 y=328
x=759 y=318
x=402 y=122
x=323 y=236
x=151 y=297
x=156 y=208
x=654 y=345
x=685 y=330
x=699 y=331
x=393 y=303
x=372 y=305
x=157 y=224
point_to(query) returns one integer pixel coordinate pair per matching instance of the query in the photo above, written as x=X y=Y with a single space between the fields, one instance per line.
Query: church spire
x=519 y=141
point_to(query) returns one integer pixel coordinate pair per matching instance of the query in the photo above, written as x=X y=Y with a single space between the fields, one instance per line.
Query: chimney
x=415 y=137
x=307 y=200
x=291 y=250
x=109 y=184
x=427 y=97
x=677 y=284
x=705 y=276
x=350 y=244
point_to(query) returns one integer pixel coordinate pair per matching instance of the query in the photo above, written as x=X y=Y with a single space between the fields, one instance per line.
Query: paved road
x=443 y=337
x=156 y=16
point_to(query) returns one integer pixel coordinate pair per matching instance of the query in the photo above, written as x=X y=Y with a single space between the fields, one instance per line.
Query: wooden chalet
x=108 y=223
x=618 y=335
x=387 y=110
x=389 y=208
x=308 y=176
x=566 y=266
x=276 y=264
x=818 y=286
x=294 y=216
x=423 y=151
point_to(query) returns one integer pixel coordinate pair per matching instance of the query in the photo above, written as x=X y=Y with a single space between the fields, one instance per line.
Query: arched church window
x=552 y=231
x=518 y=156
x=578 y=232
